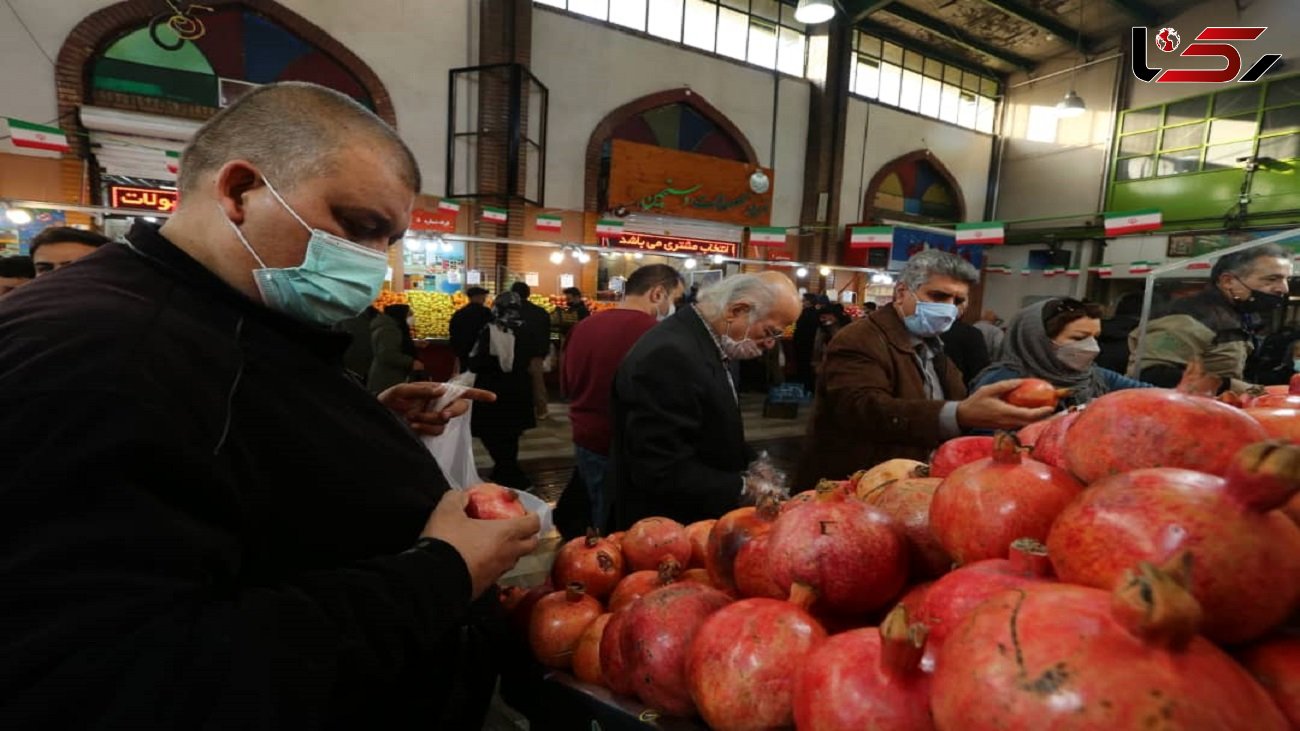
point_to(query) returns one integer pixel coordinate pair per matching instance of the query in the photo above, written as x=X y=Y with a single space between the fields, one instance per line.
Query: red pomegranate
x=1275 y=664
x=519 y=602
x=907 y=503
x=557 y=622
x=1246 y=552
x=656 y=637
x=639 y=583
x=1029 y=435
x=1278 y=422
x=696 y=576
x=493 y=502
x=650 y=540
x=593 y=561
x=866 y=679
x=613 y=665
x=888 y=471
x=953 y=597
x=742 y=663
x=698 y=533
x=914 y=598
x=729 y=535
x=1070 y=657
x=846 y=552
x=1050 y=448
x=1277 y=396
x=1154 y=427
x=586 y=656
x=1035 y=393
x=957 y=452
x=981 y=508
x=616 y=538
x=753 y=569
x=797 y=501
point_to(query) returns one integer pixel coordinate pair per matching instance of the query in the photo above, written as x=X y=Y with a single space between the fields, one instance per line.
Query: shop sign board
x=670 y=245
x=146 y=199
x=566 y=281
x=532 y=279
x=473 y=277
x=439 y=220
x=657 y=180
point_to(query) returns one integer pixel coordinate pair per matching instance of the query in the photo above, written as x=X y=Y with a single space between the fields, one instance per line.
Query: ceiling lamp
x=584 y=257
x=801 y=272
x=1071 y=106
x=557 y=257
x=718 y=259
x=18 y=216
x=812 y=12
x=689 y=263
x=824 y=271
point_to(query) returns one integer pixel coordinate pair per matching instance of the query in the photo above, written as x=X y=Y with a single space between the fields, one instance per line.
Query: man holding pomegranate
x=1218 y=325
x=888 y=390
x=207 y=524
x=678 y=445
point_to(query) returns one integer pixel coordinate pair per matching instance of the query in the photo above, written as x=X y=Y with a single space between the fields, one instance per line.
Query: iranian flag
x=1141 y=267
x=1053 y=271
x=448 y=205
x=1119 y=223
x=173 y=161
x=997 y=269
x=1201 y=265
x=871 y=237
x=549 y=223
x=495 y=215
x=1024 y=272
x=986 y=232
x=609 y=227
x=1072 y=272
x=37 y=136
x=766 y=236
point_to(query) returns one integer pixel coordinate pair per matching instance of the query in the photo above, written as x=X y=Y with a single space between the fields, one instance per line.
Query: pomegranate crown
x=1155 y=603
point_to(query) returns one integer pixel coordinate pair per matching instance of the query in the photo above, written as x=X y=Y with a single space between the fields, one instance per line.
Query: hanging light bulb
x=824 y=271
x=557 y=257
x=718 y=259
x=583 y=257
x=18 y=216
x=801 y=272
x=814 y=11
x=1070 y=106
x=689 y=263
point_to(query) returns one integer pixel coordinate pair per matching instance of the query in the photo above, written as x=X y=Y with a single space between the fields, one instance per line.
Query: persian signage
x=649 y=179
x=670 y=245
x=149 y=199
x=439 y=220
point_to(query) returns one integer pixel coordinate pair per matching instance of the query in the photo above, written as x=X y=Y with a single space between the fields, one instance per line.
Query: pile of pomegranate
x=1131 y=564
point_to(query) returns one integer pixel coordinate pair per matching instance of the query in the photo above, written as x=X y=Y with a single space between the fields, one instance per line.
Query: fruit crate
x=573 y=704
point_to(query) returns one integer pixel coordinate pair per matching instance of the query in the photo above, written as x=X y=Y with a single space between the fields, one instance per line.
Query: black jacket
x=205 y=521
x=805 y=333
x=964 y=345
x=535 y=336
x=678 y=445
x=1114 y=342
x=464 y=328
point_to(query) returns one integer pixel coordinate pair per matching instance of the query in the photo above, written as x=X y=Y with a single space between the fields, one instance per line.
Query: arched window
x=915 y=187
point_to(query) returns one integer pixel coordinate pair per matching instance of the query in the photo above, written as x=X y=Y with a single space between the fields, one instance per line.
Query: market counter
x=568 y=703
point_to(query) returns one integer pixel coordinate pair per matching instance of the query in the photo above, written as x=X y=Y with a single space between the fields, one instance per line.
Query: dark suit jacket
x=871 y=404
x=678 y=445
x=964 y=346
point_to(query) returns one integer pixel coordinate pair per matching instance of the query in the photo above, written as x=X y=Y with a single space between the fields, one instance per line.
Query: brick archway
x=605 y=129
x=97 y=30
x=868 y=210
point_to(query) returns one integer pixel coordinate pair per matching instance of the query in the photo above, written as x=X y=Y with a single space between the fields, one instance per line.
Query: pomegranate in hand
x=493 y=502
x=1035 y=393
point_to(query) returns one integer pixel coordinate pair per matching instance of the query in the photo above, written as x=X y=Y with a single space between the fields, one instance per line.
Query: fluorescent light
x=717 y=258
x=18 y=216
x=801 y=272
x=689 y=263
x=1071 y=106
x=814 y=11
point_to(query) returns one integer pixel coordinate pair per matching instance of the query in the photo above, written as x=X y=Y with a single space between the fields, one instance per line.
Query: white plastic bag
x=454 y=447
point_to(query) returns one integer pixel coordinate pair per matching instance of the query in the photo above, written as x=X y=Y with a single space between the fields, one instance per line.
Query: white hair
x=756 y=291
x=926 y=264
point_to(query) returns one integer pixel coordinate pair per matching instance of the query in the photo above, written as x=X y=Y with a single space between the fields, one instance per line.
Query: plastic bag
x=763 y=481
x=454 y=447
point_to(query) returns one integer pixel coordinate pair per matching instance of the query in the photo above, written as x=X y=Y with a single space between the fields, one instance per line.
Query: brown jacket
x=871 y=404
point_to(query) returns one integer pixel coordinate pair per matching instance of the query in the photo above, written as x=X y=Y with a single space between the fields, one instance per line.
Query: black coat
x=464 y=328
x=1113 y=342
x=805 y=333
x=513 y=412
x=965 y=347
x=678 y=447
x=204 y=519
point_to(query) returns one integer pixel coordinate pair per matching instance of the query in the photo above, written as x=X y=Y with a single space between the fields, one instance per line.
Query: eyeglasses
x=771 y=334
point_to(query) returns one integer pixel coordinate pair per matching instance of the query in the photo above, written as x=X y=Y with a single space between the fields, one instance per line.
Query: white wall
x=890 y=133
x=409 y=45
x=1005 y=294
x=592 y=69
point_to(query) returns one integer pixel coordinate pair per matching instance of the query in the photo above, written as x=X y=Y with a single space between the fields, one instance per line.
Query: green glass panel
x=138 y=47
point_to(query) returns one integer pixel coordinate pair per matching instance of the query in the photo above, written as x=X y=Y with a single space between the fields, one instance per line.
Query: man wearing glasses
x=887 y=390
x=678 y=444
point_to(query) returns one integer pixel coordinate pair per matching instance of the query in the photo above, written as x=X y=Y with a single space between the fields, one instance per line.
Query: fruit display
x=1133 y=563
x=389 y=297
x=431 y=312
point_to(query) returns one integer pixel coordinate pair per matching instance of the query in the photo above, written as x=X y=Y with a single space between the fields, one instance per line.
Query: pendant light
x=812 y=12
x=1072 y=105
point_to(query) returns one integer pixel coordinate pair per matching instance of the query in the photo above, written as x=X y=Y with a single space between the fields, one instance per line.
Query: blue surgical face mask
x=336 y=280
x=931 y=318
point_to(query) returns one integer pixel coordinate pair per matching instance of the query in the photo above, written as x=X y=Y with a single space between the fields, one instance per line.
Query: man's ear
x=738 y=310
x=233 y=182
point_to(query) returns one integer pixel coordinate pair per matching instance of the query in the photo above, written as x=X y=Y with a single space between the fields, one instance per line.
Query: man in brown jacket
x=887 y=390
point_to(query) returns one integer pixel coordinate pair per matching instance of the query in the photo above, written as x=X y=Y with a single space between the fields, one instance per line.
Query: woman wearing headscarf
x=500 y=363
x=1056 y=340
x=831 y=319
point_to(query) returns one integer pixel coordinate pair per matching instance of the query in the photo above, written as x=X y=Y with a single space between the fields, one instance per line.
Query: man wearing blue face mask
x=207 y=522
x=887 y=390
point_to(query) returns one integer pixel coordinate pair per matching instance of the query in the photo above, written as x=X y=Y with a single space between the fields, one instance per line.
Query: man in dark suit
x=536 y=340
x=964 y=345
x=678 y=445
x=467 y=323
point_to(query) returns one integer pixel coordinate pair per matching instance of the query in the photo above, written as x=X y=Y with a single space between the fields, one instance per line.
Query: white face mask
x=746 y=349
x=661 y=315
x=1079 y=354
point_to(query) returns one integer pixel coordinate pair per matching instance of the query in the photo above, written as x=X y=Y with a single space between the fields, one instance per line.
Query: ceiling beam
x=859 y=9
x=1138 y=9
x=925 y=49
x=1042 y=21
x=935 y=25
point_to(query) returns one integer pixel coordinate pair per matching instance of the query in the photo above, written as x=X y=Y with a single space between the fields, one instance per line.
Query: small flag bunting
x=986 y=232
x=549 y=223
x=767 y=236
x=1141 y=267
x=1072 y=272
x=997 y=269
x=608 y=227
x=173 y=161
x=36 y=136
x=1024 y=272
x=448 y=205
x=871 y=237
x=495 y=215
x=1198 y=265
x=1119 y=223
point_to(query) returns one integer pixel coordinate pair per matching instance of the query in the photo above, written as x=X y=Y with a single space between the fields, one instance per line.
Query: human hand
x=1197 y=382
x=414 y=402
x=489 y=547
x=985 y=408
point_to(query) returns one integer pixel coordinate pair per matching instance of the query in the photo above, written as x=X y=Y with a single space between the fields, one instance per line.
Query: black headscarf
x=1028 y=351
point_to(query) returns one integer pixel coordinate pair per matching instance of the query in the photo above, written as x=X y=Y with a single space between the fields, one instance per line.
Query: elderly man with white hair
x=678 y=446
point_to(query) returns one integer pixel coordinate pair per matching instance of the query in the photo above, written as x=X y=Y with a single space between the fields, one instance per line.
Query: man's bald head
x=290 y=131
